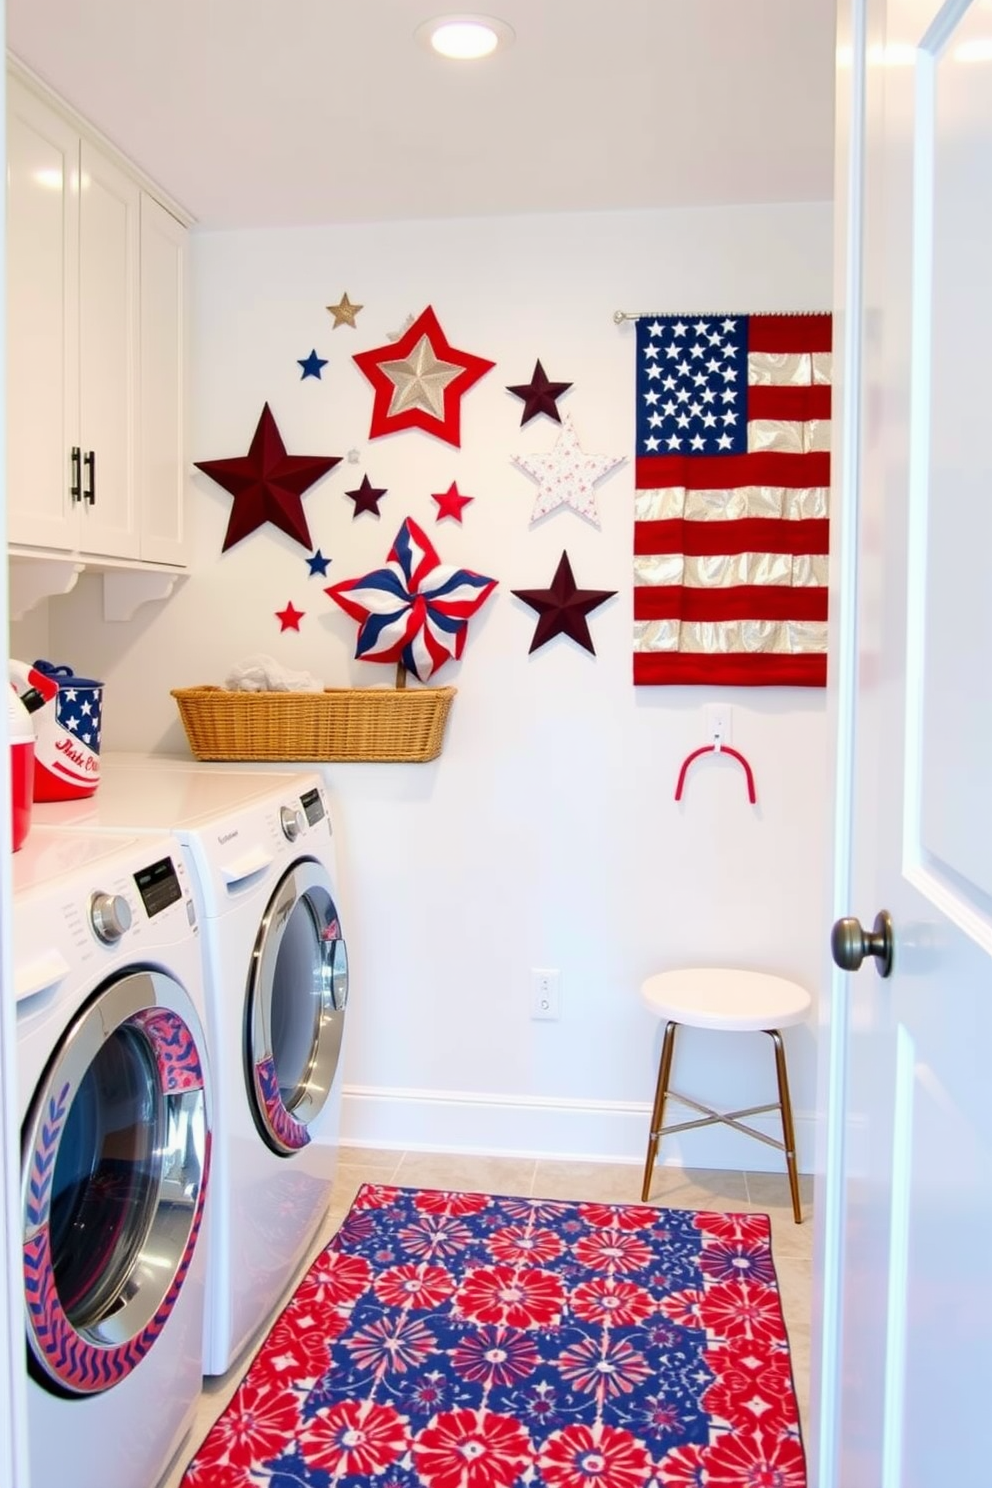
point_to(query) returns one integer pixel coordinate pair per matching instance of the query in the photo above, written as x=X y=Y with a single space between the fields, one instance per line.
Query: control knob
x=110 y=916
x=291 y=820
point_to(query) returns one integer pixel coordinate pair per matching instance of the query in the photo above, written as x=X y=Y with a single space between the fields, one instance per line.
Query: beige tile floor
x=676 y=1188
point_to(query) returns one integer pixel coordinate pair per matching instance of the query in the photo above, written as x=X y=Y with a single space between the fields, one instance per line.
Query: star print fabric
x=462 y=1340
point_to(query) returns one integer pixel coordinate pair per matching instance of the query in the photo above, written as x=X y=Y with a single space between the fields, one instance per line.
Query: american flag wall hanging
x=732 y=500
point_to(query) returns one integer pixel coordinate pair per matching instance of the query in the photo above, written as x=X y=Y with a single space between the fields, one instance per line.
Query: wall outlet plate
x=719 y=723
x=545 y=993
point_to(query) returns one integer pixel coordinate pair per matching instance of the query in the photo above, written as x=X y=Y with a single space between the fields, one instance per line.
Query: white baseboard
x=551 y=1128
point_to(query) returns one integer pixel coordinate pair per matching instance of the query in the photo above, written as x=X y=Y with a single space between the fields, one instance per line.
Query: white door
x=906 y=1314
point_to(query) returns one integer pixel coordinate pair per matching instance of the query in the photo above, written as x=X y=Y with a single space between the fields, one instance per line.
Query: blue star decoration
x=318 y=563
x=311 y=365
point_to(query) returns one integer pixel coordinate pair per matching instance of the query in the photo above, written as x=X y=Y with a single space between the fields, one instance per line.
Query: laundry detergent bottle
x=21 y=733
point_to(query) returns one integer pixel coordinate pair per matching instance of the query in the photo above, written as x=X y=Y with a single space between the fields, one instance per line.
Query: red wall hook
x=717 y=749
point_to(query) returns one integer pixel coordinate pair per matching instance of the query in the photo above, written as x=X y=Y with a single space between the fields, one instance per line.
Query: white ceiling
x=270 y=112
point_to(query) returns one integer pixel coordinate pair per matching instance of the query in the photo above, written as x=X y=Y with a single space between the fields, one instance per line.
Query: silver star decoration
x=353 y=457
x=567 y=475
x=395 y=335
x=419 y=380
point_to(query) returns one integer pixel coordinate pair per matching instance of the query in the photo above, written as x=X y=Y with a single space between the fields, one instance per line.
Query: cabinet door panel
x=108 y=304
x=42 y=321
x=161 y=453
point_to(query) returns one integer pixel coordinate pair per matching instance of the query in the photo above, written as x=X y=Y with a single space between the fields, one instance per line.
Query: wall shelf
x=34 y=576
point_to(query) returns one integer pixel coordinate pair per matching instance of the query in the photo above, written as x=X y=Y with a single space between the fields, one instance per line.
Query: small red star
x=289 y=618
x=450 y=502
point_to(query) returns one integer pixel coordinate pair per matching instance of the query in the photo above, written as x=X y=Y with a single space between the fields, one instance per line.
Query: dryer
x=113 y=1098
x=262 y=857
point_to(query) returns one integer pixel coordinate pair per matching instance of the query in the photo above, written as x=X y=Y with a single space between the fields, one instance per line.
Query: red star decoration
x=450 y=502
x=419 y=381
x=562 y=609
x=267 y=484
x=366 y=497
x=289 y=618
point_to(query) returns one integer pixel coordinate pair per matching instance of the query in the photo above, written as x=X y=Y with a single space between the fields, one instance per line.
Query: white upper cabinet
x=42 y=322
x=96 y=347
x=109 y=206
x=161 y=448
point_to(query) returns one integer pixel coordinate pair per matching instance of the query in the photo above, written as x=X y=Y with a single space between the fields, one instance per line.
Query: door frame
x=842 y=677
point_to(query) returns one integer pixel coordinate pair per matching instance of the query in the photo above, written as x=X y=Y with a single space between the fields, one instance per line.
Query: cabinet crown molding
x=83 y=126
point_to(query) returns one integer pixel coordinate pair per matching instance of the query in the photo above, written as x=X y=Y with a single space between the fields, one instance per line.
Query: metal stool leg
x=788 y=1131
x=664 y=1071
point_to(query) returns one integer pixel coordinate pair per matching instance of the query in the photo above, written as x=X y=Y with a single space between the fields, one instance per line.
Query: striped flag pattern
x=732 y=500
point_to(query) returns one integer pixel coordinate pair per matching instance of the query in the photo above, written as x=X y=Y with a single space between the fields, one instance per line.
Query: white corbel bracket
x=33 y=579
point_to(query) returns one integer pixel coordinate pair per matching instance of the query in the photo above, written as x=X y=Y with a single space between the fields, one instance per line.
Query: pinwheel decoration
x=414 y=611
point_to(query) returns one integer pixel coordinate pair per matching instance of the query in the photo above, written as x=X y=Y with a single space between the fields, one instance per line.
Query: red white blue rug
x=459 y=1340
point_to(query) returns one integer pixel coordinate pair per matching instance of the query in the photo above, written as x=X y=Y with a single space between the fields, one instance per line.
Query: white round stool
x=734 y=1002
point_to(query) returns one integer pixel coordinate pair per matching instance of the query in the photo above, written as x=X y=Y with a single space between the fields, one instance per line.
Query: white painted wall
x=546 y=834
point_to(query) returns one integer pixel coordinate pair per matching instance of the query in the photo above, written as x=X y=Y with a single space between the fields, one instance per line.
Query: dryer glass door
x=297 y=995
x=116 y=1152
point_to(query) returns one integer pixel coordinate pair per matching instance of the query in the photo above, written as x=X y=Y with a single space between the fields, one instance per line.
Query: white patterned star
x=566 y=476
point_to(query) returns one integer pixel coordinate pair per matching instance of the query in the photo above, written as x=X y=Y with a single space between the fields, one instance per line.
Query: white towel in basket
x=264 y=674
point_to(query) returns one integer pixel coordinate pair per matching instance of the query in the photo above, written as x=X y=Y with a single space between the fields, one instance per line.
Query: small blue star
x=318 y=563
x=311 y=365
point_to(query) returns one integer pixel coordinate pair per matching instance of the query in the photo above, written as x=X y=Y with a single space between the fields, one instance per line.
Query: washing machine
x=115 y=1110
x=262 y=858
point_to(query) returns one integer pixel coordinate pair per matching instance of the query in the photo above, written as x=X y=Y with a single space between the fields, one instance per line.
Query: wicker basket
x=361 y=723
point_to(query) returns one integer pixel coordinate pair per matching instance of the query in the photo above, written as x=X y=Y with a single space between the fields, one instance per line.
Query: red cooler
x=66 y=711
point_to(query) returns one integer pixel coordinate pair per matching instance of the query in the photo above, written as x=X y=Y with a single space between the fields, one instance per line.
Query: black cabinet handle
x=89 y=460
x=76 y=480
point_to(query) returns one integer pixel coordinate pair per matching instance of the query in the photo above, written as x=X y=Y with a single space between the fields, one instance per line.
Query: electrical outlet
x=545 y=993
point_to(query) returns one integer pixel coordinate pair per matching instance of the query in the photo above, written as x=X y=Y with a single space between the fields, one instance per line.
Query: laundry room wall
x=546 y=835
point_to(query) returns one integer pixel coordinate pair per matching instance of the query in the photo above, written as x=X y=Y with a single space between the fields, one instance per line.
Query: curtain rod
x=619 y=316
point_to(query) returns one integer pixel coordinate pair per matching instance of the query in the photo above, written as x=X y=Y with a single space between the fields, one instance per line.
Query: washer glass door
x=115 y=1160
x=297 y=994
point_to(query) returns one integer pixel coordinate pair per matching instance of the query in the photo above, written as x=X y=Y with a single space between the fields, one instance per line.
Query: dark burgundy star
x=539 y=395
x=267 y=484
x=366 y=498
x=562 y=609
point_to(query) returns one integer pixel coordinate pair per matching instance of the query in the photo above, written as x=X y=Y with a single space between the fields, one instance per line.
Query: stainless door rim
x=285 y=1126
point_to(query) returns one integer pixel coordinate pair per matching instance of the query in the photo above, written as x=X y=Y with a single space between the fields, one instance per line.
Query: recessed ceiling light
x=465 y=37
